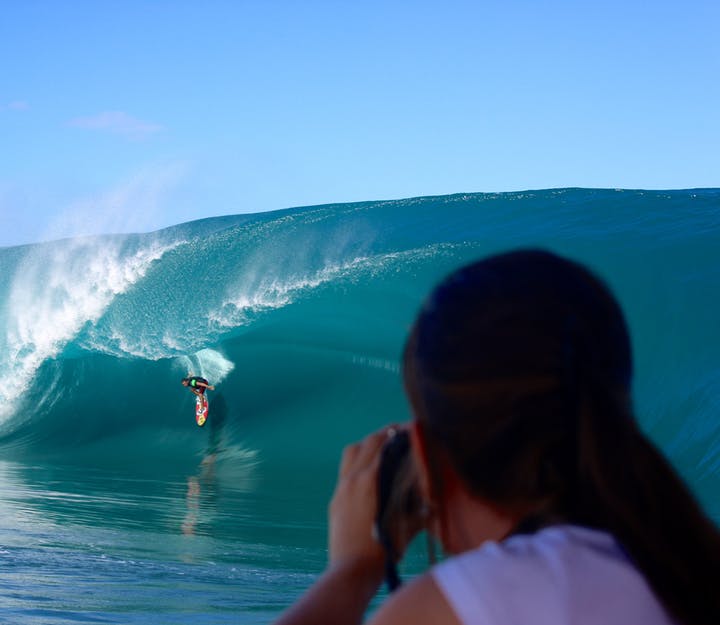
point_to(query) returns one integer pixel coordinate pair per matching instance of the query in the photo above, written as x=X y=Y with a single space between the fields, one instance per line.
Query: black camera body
x=399 y=502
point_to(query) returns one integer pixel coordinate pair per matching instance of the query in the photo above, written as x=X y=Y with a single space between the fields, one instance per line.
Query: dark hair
x=519 y=367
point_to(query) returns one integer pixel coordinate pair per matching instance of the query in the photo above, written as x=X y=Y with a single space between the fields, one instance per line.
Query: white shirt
x=561 y=575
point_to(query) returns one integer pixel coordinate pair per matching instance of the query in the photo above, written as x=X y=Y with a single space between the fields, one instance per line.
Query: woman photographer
x=551 y=504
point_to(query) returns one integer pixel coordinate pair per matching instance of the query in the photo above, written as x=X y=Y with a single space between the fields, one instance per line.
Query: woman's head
x=518 y=370
x=503 y=359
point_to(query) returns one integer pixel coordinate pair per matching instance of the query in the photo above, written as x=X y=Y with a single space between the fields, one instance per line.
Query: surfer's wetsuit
x=196 y=388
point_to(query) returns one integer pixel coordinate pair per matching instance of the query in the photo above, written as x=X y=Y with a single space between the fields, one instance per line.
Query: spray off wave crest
x=262 y=294
x=57 y=290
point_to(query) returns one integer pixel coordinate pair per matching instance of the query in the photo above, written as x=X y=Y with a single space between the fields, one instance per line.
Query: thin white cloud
x=119 y=123
x=15 y=105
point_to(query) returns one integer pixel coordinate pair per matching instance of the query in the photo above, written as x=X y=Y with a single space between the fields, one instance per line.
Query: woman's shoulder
x=420 y=602
x=557 y=575
x=471 y=582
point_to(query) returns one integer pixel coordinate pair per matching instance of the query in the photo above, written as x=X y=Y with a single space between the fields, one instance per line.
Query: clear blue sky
x=131 y=116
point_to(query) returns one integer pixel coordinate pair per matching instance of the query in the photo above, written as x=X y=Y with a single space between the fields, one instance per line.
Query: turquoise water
x=117 y=508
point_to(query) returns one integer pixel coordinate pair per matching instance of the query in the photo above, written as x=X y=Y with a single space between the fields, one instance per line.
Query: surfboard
x=201 y=409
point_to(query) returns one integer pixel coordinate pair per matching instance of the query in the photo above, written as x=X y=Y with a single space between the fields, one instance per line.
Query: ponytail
x=646 y=506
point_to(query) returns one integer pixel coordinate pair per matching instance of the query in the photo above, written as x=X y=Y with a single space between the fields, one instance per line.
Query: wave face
x=299 y=317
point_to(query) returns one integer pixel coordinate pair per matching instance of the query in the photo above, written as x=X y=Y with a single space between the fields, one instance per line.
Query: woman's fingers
x=365 y=453
x=354 y=503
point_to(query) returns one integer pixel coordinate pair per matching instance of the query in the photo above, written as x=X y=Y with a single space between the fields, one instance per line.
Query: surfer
x=197 y=384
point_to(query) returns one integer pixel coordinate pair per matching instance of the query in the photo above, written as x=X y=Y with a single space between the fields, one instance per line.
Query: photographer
x=552 y=505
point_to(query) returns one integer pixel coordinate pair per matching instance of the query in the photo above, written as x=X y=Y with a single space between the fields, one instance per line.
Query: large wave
x=299 y=317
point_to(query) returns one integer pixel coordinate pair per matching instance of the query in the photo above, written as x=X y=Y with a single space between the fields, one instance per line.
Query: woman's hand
x=354 y=506
x=355 y=571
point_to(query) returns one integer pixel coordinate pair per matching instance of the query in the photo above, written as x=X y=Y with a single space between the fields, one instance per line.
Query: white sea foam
x=207 y=363
x=58 y=289
x=254 y=297
x=257 y=295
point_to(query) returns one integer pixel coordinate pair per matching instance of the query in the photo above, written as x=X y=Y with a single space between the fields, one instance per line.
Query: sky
x=130 y=116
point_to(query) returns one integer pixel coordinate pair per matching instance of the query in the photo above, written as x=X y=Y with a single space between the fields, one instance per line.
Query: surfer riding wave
x=197 y=384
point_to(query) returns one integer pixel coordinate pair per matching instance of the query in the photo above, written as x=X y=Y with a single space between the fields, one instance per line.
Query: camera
x=399 y=503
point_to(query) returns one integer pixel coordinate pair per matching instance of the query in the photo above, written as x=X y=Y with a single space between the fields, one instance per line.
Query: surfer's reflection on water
x=195 y=484
x=193 y=505
x=205 y=479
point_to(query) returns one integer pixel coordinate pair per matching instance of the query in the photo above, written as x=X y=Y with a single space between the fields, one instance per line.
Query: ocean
x=117 y=508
